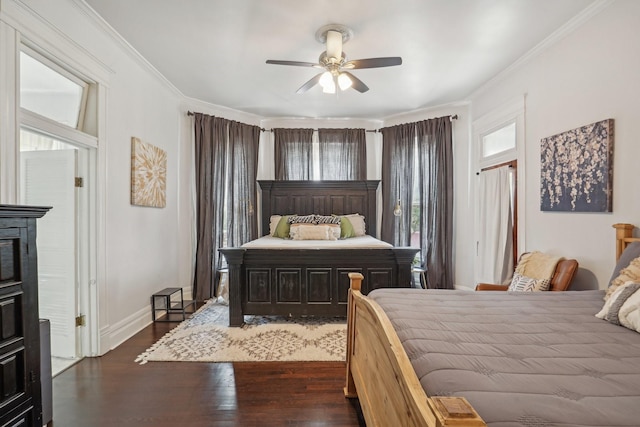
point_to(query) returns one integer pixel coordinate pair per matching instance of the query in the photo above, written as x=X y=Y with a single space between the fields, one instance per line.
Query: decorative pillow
x=301 y=231
x=283 y=228
x=631 y=252
x=327 y=219
x=335 y=229
x=521 y=283
x=346 y=228
x=630 y=273
x=273 y=223
x=623 y=307
x=302 y=219
x=357 y=221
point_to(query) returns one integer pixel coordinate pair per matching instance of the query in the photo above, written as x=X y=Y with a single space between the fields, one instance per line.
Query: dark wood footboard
x=308 y=282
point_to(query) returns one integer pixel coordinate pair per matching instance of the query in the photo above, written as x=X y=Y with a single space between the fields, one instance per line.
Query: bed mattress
x=361 y=242
x=521 y=359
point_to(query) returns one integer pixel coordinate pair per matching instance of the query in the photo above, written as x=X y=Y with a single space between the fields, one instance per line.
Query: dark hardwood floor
x=113 y=390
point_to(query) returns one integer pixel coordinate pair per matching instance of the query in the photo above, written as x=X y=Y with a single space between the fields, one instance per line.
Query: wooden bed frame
x=381 y=376
x=311 y=282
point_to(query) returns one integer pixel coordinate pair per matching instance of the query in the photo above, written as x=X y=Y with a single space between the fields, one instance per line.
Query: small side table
x=170 y=301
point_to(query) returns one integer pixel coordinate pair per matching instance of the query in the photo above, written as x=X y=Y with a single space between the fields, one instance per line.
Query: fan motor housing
x=321 y=34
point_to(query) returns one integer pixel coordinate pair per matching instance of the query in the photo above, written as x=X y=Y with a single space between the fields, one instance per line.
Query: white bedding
x=362 y=242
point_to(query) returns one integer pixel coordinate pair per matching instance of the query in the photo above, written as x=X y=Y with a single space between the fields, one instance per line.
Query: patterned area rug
x=206 y=337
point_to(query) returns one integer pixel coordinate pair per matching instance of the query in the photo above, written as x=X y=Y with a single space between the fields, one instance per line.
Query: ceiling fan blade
x=356 y=83
x=311 y=83
x=389 y=61
x=294 y=63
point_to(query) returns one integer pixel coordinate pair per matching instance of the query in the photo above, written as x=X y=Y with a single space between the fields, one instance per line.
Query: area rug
x=206 y=337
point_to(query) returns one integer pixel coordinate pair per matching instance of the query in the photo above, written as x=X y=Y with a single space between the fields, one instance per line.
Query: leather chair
x=561 y=280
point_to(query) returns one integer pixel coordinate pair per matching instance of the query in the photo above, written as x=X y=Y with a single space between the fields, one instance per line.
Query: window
x=415 y=203
x=325 y=154
x=50 y=91
x=499 y=141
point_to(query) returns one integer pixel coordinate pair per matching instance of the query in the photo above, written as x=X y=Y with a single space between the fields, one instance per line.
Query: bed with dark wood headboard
x=311 y=282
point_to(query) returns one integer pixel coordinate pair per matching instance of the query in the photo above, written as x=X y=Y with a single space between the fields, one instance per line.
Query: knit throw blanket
x=537 y=265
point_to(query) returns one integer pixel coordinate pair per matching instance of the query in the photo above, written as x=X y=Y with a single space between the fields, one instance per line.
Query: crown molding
x=205 y=107
x=425 y=111
x=573 y=24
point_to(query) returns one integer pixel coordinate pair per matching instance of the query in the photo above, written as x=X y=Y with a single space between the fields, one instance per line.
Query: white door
x=47 y=179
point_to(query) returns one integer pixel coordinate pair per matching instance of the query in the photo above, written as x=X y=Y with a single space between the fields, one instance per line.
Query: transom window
x=499 y=141
x=49 y=91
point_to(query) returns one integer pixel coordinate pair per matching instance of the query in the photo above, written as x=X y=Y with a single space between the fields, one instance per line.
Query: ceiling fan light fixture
x=333 y=61
x=326 y=80
x=344 y=81
x=329 y=87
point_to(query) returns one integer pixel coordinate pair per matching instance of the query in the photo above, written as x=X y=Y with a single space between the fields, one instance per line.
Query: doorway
x=48 y=171
x=499 y=214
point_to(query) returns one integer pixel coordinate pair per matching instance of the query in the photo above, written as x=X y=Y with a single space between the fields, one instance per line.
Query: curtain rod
x=452 y=118
x=316 y=130
x=509 y=165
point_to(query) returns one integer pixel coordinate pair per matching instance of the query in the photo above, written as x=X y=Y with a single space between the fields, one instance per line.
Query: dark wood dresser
x=20 y=393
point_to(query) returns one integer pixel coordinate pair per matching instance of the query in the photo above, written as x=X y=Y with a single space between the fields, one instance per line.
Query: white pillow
x=612 y=298
x=335 y=230
x=623 y=306
x=273 y=223
x=357 y=221
x=303 y=231
x=630 y=272
x=521 y=283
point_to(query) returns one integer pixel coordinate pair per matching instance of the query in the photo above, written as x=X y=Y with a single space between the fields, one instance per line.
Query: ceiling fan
x=335 y=64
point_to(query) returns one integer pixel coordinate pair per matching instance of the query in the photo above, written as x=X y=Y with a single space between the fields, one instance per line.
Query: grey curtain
x=398 y=159
x=343 y=154
x=435 y=159
x=226 y=165
x=242 y=223
x=211 y=169
x=292 y=150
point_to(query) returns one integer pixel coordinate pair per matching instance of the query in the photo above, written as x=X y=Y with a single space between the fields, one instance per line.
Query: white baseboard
x=114 y=335
x=121 y=331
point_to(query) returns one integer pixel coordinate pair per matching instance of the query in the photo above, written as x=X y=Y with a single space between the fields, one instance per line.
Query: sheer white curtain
x=494 y=261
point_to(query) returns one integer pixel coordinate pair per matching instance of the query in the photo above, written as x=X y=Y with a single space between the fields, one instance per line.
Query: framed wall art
x=577 y=169
x=148 y=174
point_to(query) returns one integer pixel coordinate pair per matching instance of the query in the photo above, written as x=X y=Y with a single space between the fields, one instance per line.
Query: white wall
x=589 y=75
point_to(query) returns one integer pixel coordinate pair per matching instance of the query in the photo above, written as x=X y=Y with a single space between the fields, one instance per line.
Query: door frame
x=86 y=223
x=510 y=112
x=21 y=26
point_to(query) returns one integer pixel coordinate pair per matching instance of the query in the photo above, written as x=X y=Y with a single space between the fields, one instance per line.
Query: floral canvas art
x=577 y=169
x=148 y=174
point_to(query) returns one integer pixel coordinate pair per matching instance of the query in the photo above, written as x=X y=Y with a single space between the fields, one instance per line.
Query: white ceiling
x=215 y=50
